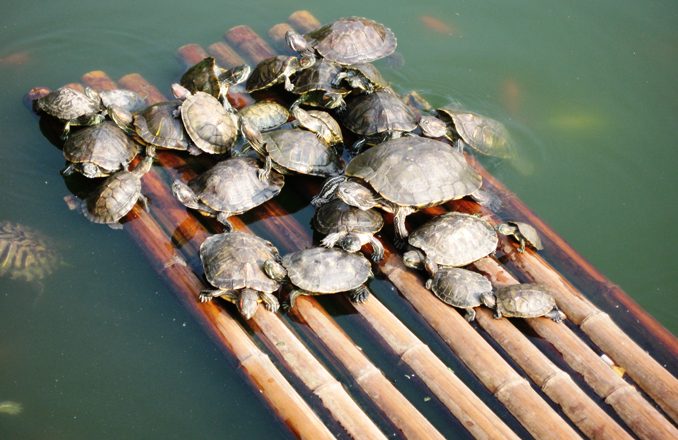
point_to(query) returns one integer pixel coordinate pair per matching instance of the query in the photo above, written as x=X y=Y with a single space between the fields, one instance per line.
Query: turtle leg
x=377 y=249
x=288 y=84
x=143 y=201
x=222 y=218
x=430 y=265
x=521 y=249
x=359 y=294
x=470 y=314
x=294 y=294
x=208 y=295
x=70 y=169
x=331 y=239
x=497 y=313
x=555 y=314
x=270 y=301
x=399 y=215
x=327 y=191
x=266 y=170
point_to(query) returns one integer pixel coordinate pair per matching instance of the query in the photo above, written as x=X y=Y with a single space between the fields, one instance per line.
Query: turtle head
x=93 y=95
x=505 y=229
x=184 y=194
x=298 y=43
x=180 y=92
x=331 y=100
x=351 y=242
x=236 y=75
x=306 y=61
x=248 y=303
x=275 y=270
x=123 y=118
x=414 y=259
x=356 y=194
x=252 y=135
x=489 y=300
x=432 y=127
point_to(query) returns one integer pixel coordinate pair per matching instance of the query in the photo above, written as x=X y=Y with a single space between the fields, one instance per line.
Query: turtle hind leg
x=555 y=314
x=470 y=315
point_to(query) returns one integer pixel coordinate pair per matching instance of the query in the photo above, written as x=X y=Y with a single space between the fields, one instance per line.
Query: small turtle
x=364 y=77
x=460 y=288
x=206 y=76
x=450 y=240
x=72 y=107
x=315 y=86
x=525 y=233
x=213 y=128
x=115 y=197
x=481 y=133
x=99 y=151
x=319 y=122
x=319 y=271
x=26 y=253
x=274 y=70
x=234 y=264
x=350 y=40
x=122 y=98
x=349 y=227
x=523 y=301
x=230 y=187
x=265 y=115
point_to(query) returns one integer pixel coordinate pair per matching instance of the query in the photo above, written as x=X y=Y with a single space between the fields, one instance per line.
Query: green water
x=102 y=350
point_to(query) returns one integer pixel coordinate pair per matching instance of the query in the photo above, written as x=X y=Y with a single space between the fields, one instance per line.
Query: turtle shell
x=233 y=185
x=455 y=239
x=369 y=72
x=125 y=99
x=25 y=253
x=323 y=270
x=65 y=103
x=211 y=127
x=105 y=145
x=156 y=125
x=352 y=40
x=235 y=260
x=266 y=115
x=269 y=72
x=319 y=77
x=529 y=233
x=377 y=112
x=301 y=151
x=524 y=300
x=459 y=287
x=202 y=77
x=337 y=216
x=415 y=171
x=481 y=133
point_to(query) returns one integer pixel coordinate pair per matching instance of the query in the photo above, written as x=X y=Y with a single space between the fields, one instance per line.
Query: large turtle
x=234 y=264
x=26 y=253
x=525 y=233
x=315 y=86
x=349 y=40
x=206 y=76
x=481 y=133
x=450 y=240
x=115 y=197
x=460 y=288
x=319 y=271
x=274 y=70
x=404 y=175
x=523 y=301
x=99 y=150
x=230 y=187
x=349 y=227
x=72 y=107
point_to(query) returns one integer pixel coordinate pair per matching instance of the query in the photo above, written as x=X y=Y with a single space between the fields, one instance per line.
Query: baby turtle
x=523 y=301
x=99 y=151
x=274 y=70
x=525 y=233
x=206 y=76
x=349 y=227
x=481 y=133
x=115 y=197
x=231 y=187
x=25 y=253
x=72 y=107
x=319 y=122
x=320 y=271
x=364 y=77
x=460 y=288
x=265 y=115
x=234 y=264
x=450 y=240
x=315 y=86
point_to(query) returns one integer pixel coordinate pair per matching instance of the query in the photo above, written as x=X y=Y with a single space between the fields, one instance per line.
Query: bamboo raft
x=571 y=391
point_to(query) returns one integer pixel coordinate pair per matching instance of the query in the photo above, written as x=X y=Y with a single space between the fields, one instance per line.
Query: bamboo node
x=509 y=383
x=411 y=348
x=595 y=314
x=252 y=357
x=370 y=370
x=547 y=381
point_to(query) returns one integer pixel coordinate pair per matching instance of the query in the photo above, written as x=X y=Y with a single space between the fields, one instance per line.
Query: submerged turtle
x=525 y=233
x=402 y=176
x=230 y=187
x=72 y=107
x=481 y=133
x=99 y=151
x=350 y=40
x=460 y=288
x=274 y=70
x=206 y=76
x=523 y=301
x=265 y=115
x=25 y=253
x=319 y=122
x=116 y=196
x=234 y=264
x=316 y=88
x=450 y=240
x=319 y=271
x=364 y=77
x=349 y=227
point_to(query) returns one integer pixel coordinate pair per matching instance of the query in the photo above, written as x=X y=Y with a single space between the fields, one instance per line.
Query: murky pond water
x=99 y=349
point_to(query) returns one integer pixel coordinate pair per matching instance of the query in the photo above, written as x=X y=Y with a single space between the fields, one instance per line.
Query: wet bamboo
x=277 y=36
x=248 y=43
x=303 y=21
x=225 y=55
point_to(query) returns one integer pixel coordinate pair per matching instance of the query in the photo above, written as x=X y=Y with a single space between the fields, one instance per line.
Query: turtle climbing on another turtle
x=277 y=69
x=523 y=301
x=72 y=107
x=525 y=233
x=206 y=76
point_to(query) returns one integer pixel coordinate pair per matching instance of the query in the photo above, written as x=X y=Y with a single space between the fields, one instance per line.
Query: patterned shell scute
x=319 y=77
x=486 y=135
x=524 y=300
x=211 y=127
x=268 y=72
x=460 y=287
x=337 y=216
x=25 y=253
x=202 y=77
x=455 y=239
x=105 y=145
x=66 y=103
x=415 y=171
x=233 y=185
x=529 y=233
x=323 y=270
x=301 y=151
x=378 y=112
x=353 y=40
x=114 y=198
x=157 y=126
x=235 y=260
x=266 y=115
x=125 y=99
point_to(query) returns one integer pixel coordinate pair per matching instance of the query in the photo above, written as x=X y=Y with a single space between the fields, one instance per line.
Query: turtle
x=349 y=40
x=265 y=115
x=450 y=240
x=320 y=270
x=525 y=233
x=296 y=150
x=349 y=227
x=72 y=107
x=11 y=408
x=363 y=76
x=316 y=89
x=99 y=151
x=274 y=70
x=234 y=264
x=122 y=98
x=481 y=133
x=230 y=187
x=212 y=127
x=523 y=301
x=404 y=175
x=26 y=253
x=460 y=288
x=319 y=122
x=115 y=197
x=206 y=76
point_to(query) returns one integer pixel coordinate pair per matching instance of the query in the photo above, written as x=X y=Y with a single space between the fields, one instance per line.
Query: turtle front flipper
x=222 y=218
x=377 y=249
x=270 y=301
x=399 y=215
x=293 y=296
x=359 y=294
x=208 y=295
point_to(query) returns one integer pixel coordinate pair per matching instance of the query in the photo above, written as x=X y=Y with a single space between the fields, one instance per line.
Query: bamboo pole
x=303 y=21
x=225 y=55
x=247 y=42
x=277 y=36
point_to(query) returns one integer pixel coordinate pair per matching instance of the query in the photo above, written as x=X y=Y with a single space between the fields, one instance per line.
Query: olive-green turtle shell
x=323 y=270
